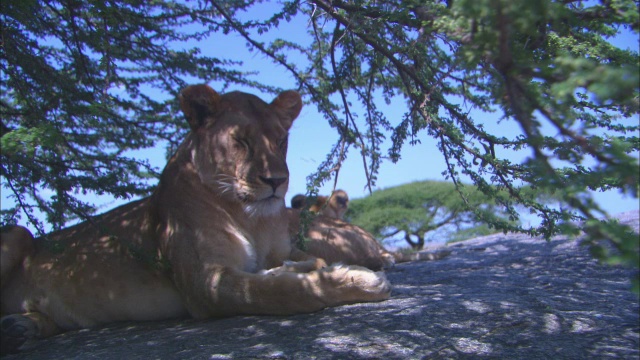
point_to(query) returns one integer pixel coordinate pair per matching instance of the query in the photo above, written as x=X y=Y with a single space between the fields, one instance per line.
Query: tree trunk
x=415 y=245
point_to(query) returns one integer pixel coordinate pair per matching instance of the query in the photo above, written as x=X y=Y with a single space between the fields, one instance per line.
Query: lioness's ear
x=289 y=104
x=197 y=102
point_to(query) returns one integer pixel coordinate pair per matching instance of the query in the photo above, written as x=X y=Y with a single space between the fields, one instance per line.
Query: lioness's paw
x=356 y=283
x=14 y=331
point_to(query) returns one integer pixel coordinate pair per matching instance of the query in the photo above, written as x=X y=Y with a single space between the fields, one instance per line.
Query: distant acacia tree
x=546 y=66
x=415 y=210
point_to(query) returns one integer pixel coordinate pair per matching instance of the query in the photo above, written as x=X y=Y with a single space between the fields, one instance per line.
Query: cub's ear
x=289 y=104
x=197 y=102
x=298 y=201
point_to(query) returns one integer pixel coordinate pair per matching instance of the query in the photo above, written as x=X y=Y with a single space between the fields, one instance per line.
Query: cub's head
x=334 y=206
x=238 y=144
x=338 y=204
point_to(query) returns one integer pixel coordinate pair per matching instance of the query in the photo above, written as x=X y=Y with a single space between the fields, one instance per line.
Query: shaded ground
x=500 y=296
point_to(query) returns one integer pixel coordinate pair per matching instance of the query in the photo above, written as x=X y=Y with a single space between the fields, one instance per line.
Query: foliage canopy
x=76 y=78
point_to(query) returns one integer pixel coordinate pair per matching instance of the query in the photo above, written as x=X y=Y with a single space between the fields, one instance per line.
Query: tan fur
x=298 y=202
x=16 y=244
x=212 y=240
x=335 y=241
x=334 y=206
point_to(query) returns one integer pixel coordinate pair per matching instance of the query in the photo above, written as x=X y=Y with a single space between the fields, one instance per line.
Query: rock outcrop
x=499 y=296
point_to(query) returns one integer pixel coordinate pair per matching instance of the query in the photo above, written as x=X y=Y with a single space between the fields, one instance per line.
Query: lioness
x=212 y=240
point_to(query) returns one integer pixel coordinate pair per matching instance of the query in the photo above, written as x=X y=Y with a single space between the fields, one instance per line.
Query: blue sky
x=311 y=137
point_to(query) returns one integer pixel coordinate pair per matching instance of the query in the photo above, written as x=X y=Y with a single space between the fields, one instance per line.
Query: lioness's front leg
x=233 y=291
x=300 y=262
x=296 y=267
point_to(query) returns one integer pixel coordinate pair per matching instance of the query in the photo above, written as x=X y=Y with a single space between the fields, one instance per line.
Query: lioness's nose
x=273 y=182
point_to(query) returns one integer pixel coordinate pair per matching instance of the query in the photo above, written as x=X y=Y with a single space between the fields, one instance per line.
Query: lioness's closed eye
x=198 y=246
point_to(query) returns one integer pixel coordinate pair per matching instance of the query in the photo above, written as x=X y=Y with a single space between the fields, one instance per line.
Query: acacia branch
x=348 y=115
x=317 y=97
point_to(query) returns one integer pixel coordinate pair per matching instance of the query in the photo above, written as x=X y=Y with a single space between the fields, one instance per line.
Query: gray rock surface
x=499 y=296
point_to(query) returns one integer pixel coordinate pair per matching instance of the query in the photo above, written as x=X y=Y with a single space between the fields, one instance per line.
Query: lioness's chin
x=266 y=207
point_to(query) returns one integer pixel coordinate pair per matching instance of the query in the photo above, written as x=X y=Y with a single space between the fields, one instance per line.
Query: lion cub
x=333 y=206
x=212 y=240
x=336 y=241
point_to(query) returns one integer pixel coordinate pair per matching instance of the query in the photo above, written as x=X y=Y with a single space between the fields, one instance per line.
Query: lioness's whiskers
x=224 y=182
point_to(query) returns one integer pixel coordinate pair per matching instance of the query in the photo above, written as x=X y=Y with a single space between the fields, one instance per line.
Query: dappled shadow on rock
x=518 y=299
x=503 y=296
